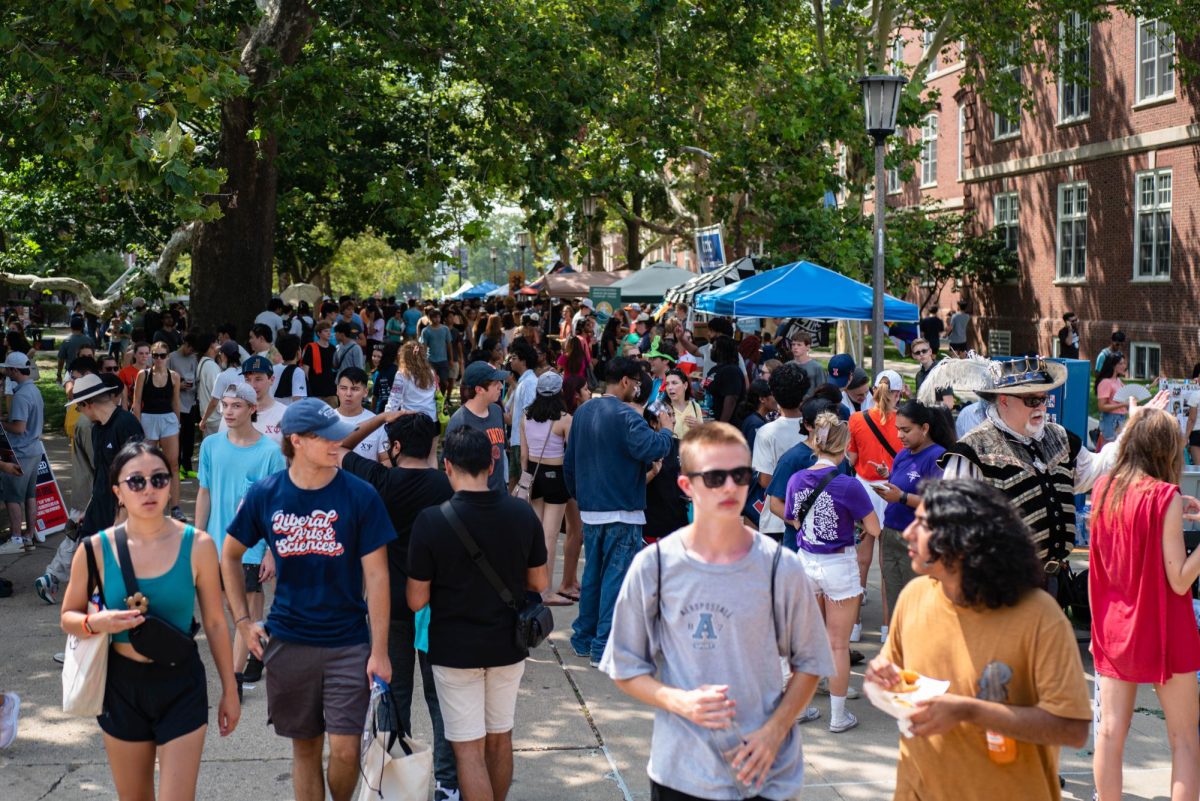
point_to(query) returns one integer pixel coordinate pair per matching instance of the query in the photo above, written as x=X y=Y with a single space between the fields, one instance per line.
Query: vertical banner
x=710 y=248
x=606 y=299
x=51 y=511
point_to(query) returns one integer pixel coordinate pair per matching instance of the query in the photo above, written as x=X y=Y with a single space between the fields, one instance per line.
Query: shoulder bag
x=525 y=483
x=85 y=663
x=887 y=446
x=534 y=621
x=156 y=638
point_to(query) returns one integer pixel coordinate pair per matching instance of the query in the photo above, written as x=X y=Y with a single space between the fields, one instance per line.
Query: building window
x=1006 y=225
x=929 y=135
x=926 y=43
x=1008 y=122
x=1072 y=231
x=1075 y=96
x=1152 y=233
x=898 y=56
x=1145 y=360
x=893 y=181
x=1155 y=60
x=962 y=135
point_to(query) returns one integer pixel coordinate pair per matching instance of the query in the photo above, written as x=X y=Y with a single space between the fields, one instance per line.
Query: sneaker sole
x=16 y=702
x=40 y=588
x=841 y=729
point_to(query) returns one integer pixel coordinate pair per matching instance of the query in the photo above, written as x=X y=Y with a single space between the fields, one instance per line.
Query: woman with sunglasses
x=156 y=406
x=152 y=711
x=825 y=533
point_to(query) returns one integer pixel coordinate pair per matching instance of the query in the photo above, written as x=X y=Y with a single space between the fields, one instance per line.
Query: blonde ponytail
x=829 y=434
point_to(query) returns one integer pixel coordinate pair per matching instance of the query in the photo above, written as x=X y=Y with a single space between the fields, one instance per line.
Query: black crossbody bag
x=534 y=620
x=156 y=638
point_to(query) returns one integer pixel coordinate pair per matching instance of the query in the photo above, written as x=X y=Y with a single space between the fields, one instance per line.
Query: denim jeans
x=609 y=549
x=404 y=657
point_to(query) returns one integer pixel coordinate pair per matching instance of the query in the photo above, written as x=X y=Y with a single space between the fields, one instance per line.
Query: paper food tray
x=901 y=706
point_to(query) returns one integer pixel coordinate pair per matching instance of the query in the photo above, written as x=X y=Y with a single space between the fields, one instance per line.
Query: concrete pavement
x=576 y=736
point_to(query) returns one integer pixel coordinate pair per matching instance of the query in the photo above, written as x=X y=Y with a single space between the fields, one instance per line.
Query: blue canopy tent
x=478 y=291
x=802 y=289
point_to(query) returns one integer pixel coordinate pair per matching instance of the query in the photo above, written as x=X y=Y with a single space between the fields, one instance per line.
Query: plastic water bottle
x=727 y=741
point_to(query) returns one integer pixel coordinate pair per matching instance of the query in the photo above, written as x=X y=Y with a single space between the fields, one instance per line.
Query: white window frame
x=1070 y=215
x=894 y=185
x=1082 y=92
x=927 y=37
x=1006 y=214
x=962 y=136
x=1007 y=127
x=929 y=143
x=1161 y=192
x=898 y=64
x=1142 y=350
x=1162 y=61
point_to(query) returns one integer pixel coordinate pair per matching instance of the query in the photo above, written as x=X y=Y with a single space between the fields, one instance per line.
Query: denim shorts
x=1111 y=424
x=835 y=575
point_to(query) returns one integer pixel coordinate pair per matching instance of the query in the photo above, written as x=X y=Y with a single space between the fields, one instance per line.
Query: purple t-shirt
x=908 y=471
x=830 y=525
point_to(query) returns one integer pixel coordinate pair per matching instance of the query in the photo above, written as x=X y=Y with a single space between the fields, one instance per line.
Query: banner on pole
x=710 y=248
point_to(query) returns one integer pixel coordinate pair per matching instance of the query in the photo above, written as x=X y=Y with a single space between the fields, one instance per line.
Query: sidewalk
x=576 y=736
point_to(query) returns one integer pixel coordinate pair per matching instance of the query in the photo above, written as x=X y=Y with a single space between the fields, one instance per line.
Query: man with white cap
x=24 y=429
x=586 y=309
x=230 y=461
x=259 y=373
x=328 y=531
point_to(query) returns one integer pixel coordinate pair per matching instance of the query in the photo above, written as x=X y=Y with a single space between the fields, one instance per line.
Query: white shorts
x=477 y=701
x=834 y=574
x=160 y=426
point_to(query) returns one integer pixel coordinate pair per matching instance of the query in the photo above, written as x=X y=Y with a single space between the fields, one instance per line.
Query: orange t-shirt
x=868 y=447
x=128 y=376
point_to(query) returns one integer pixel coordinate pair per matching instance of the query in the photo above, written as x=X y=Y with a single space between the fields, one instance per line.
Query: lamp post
x=589 y=211
x=492 y=253
x=881 y=100
x=523 y=243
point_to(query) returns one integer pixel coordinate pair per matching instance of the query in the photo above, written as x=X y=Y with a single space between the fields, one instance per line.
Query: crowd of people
x=726 y=494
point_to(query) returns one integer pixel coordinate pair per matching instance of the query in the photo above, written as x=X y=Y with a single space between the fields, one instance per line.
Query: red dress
x=1142 y=631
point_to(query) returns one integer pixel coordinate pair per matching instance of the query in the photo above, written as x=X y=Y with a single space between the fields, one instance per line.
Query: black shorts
x=549 y=484
x=442 y=369
x=958 y=347
x=150 y=702
x=1194 y=439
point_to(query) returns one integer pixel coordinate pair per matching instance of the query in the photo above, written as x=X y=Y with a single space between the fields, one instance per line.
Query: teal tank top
x=172 y=595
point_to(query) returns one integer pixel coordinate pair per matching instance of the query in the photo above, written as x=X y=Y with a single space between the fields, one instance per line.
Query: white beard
x=1034 y=430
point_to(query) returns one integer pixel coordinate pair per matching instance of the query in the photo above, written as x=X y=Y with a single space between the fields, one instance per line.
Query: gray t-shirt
x=816 y=376
x=493 y=427
x=717 y=627
x=27 y=405
x=958 y=327
x=348 y=354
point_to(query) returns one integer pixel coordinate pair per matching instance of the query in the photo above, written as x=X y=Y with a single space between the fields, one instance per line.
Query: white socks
x=837 y=708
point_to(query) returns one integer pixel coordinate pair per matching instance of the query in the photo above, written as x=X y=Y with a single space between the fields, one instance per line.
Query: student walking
x=700 y=625
x=153 y=711
x=1140 y=579
x=327 y=632
x=545 y=429
x=156 y=405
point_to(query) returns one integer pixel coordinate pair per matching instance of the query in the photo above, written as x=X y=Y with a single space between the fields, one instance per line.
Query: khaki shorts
x=313 y=690
x=477 y=701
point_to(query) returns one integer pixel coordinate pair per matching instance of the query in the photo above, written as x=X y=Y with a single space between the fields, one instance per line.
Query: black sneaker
x=254 y=670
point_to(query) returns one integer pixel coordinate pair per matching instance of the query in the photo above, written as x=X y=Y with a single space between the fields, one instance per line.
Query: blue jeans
x=404 y=657
x=609 y=549
x=1111 y=425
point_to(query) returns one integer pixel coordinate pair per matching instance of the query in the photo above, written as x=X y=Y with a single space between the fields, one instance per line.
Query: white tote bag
x=394 y=766
x=85 y=666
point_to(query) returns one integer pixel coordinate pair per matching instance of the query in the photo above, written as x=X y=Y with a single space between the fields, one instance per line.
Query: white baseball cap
x=588 y=303
x=16 y=360
x=895 y=382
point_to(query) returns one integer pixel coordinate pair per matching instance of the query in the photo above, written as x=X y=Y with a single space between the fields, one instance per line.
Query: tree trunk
x=233 y=257
x=633 y=236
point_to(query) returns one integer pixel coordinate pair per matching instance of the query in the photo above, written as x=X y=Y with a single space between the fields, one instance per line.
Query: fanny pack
x=534 y=620
x=157 y=638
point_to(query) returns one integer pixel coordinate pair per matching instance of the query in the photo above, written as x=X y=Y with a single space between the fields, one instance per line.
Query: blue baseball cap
x=315 y=416
x=841 y=367
x=257 y=364
x=480 y=373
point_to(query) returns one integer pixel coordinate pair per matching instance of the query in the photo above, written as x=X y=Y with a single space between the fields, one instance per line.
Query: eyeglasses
x=1034 y=401
x=921 y=352
x=161 y=355
x=714 y=479
x=137 y=483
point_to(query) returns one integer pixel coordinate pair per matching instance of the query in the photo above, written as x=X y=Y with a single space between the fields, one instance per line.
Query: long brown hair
x=1151 y=446
x=574 y=353
x=415 y=366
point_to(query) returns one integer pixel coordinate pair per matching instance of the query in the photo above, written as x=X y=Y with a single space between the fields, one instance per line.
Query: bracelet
x=87 y=627
x=904 y=498
x=240 y=619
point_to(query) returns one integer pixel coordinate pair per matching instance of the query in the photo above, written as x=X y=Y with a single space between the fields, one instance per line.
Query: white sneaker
x=856 y=633
x=845 y=724
x=39 y=535
x=8 y=719
x=16 y=545
x=441 y=793
x=823 y=689
x=883 y=630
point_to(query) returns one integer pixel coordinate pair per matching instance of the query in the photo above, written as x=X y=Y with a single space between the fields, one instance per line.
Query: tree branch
x=678 y=228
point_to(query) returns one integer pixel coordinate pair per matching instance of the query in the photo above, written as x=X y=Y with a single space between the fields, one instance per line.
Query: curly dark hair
x=789 y=385
x=976 y=528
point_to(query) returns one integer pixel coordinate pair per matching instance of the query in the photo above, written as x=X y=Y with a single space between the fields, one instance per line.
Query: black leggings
x=187 y=437
x=661 y=793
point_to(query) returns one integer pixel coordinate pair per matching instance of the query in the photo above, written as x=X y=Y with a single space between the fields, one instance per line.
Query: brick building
x=1097 y=188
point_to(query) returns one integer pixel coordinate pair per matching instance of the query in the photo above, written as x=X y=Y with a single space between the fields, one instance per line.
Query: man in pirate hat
x=1037 y=463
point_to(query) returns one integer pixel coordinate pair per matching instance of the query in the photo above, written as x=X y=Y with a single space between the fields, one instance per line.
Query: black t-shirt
x=470 y=627
x=406 y=492
x=1068 y=343
x=931 y=330
x=666 y=505
x=321 y=383
x=107 y=441
x=725 y=380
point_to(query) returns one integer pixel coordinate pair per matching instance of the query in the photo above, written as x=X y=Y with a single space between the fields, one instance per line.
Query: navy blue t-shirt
x=318 y=538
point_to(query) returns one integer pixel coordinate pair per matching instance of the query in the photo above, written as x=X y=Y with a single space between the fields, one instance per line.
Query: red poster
x=51 y=511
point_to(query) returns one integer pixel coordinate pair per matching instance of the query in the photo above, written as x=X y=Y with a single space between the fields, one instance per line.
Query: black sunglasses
x=1032 y=401
x=161 y=355
x=714 y=479
x=920 y=352
x=137 y=483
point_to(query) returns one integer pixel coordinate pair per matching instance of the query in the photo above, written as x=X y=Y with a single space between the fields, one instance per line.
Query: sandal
x=574 y=596
x=556 y=599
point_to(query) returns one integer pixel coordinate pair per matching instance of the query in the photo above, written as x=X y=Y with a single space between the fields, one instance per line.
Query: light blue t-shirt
x=438 y=342
x=227 y=471
x=412 y=318
x=27 y=406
